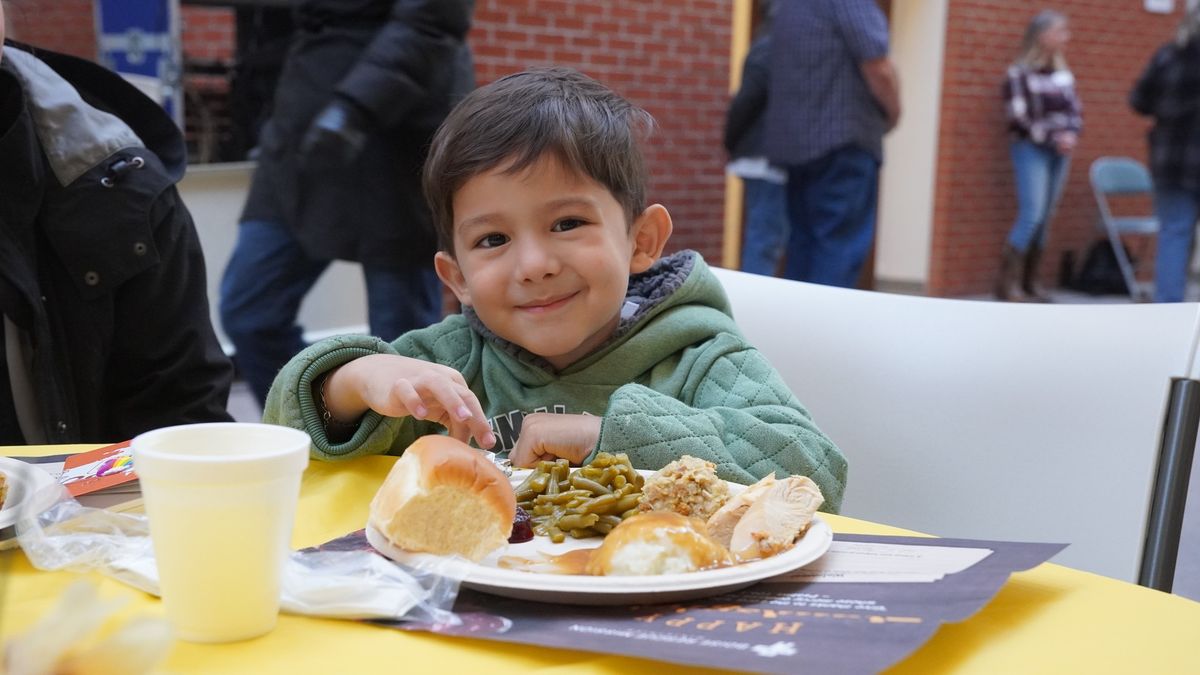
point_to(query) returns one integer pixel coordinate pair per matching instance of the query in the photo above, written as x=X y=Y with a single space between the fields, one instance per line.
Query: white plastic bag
x=338 y=584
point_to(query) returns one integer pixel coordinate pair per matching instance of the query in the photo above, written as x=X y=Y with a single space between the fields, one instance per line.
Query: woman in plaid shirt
x=1044 y=123
x=1169 y=91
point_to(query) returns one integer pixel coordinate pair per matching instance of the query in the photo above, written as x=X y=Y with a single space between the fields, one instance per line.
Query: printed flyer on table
x=856 y=619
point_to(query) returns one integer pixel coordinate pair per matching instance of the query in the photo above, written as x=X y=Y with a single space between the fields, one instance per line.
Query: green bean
x=627 y=503
x=548 y=510
x=563 y=497
x=609 y=520
x=631 y=474
x=537 y=482
x=588 y=484
x=561 y=469
x=586 y=501
x=577 y=521
x=601 y=504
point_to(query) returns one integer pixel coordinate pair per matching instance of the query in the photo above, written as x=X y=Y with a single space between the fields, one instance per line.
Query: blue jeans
x=1040 y=175
x=1177 y=213
x=267 y=278
x=831 y=205
x=766 y=233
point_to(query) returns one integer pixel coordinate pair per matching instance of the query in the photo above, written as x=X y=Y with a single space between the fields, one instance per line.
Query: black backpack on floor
x=1100 y=273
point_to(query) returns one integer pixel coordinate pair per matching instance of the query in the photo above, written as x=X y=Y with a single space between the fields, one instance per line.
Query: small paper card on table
x=875 y=562
x=108 y=469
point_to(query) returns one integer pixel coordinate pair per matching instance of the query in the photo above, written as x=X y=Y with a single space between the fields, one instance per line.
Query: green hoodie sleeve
x=740 y=416
x=290 y=402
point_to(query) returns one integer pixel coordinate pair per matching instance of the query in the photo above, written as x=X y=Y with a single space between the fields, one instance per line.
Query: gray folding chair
x=1123 y=176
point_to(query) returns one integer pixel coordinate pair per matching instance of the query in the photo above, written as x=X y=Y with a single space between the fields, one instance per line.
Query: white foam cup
x=221 y=499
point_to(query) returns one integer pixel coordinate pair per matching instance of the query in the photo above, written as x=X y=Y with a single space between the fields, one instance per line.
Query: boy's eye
x=492 y=240
x=568 y=224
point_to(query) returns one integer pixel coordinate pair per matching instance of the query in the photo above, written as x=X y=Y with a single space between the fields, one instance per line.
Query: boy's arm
x=410 y=58
x=293 y=402
x=742 y=417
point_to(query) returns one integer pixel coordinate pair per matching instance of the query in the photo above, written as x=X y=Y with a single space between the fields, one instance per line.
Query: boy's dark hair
x=519 y=118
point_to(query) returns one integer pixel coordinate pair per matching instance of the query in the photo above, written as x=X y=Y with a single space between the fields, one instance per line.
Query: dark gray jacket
x=404 y=62
x=1169 y=91
x=744 y=122
x=102 y=280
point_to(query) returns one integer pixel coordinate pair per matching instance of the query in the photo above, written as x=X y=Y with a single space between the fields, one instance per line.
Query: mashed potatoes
x=657 y=543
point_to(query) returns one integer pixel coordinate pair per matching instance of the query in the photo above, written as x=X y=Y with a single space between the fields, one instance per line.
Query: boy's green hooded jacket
x=677 y=378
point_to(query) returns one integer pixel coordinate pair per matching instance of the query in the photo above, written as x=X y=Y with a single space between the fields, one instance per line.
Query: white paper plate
x=27 y=491
x=486 y=576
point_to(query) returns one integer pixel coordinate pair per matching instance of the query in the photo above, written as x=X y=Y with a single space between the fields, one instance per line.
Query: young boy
x=576 y=335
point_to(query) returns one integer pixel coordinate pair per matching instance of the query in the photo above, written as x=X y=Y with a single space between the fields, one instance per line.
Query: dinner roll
x=444 y=497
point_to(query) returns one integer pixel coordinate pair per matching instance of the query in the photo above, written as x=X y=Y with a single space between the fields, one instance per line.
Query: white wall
x=215 y=194
x=905 y=227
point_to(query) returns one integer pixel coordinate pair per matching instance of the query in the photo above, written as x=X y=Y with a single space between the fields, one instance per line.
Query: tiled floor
x=244 y=408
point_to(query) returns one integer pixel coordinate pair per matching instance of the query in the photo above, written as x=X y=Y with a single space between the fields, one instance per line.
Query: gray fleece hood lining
x=74 y=135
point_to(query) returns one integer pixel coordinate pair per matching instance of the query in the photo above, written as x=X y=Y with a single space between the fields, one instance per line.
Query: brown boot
x=1012 y=267
x=1030 y=283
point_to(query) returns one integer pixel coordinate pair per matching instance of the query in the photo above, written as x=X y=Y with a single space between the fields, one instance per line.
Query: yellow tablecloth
x=1050 y=619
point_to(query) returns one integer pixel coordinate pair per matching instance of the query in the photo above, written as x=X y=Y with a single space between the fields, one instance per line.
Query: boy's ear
x=651 y=231
x=451 y=275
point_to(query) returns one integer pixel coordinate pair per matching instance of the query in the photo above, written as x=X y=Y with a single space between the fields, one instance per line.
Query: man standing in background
x=834 y=94
x=365 y=85
x=766 y=226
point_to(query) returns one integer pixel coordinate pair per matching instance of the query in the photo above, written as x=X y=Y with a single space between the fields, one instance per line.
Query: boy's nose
x=536 y=262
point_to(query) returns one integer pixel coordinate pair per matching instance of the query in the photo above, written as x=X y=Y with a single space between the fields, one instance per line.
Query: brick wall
x=975 y=201
x=668 y=56
x=70 y=26
x=208 y=33
x=61 y=25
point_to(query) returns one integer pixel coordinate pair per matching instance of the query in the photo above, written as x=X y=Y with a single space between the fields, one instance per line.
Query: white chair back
x=980 y=419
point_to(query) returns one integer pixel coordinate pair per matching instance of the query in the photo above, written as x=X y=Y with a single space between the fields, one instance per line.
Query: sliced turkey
x=721 y=523
x=777 y=516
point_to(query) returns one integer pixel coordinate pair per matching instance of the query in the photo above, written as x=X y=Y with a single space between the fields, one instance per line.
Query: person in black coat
x=766 y=224
x=1169 y=91
x=106 y=328
x=365 y=86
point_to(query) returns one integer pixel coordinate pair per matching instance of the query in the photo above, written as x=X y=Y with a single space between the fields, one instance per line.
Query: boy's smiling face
x=544 y=256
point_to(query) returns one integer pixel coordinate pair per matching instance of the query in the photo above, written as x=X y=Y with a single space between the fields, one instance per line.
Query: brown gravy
x=574 y=561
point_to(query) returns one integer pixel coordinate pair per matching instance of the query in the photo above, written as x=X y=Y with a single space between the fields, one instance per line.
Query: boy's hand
x=548 y=436
x=398 y=386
